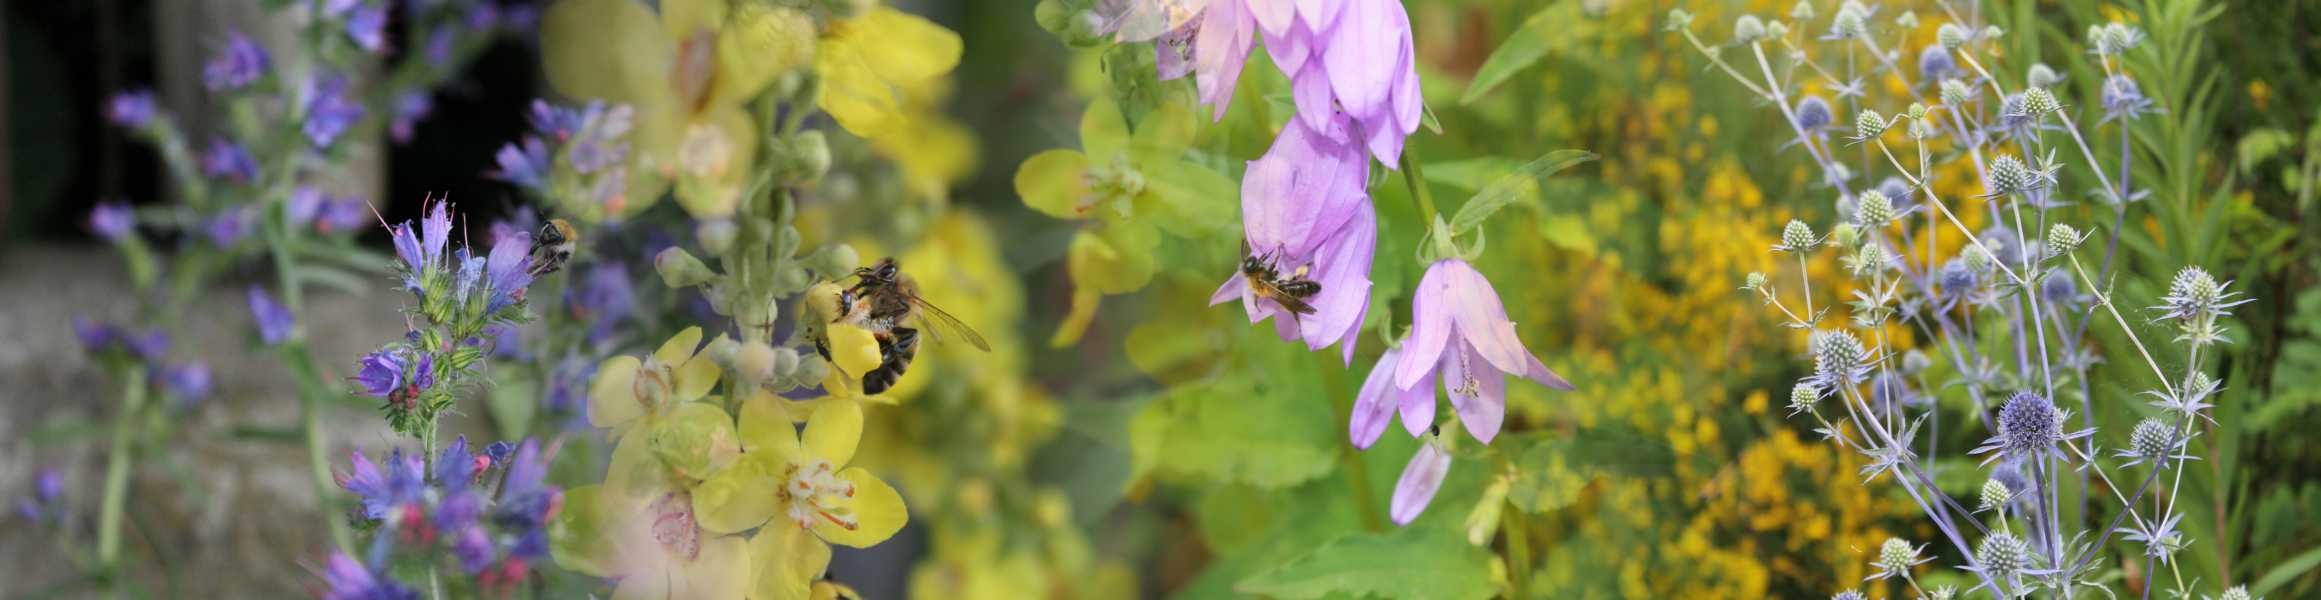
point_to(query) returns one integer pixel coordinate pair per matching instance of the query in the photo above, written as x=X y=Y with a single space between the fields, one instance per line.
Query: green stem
x=117 y=470
x=1518 y=551
x=311 y=390
x=1415 y=177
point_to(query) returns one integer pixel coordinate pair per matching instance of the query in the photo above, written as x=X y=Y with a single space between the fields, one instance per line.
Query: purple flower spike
x=507 y=271
x=350 y=580
x=473 y=548
x=113 y=220
x=306 y=203
x=227 y=227
x=95 y=337
x=526 y=164
x=132 y=109
x=343 y=214
x=190 y=382
x=148 y=346
x=385 y=487
x=228 y=160
x=454 y=466
x=380 y=373
x=274 y=320
x=1460 y=334
x=1420 y=479
x=237 y=65
x=330 y=110
x=1305 y=213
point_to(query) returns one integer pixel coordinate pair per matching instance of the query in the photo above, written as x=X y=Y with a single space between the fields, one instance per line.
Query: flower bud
x=1748 y=29
x=1994 y=495
x=754 y=363
x=1869 y=125
x=1813 y=113
x=716 y=235
x=808 y=155
x=1798 y=237
x=1951 y=35
x=835 y=260
x=1776 y=29
x=1874 y=209
x=2009 y=176
x=1803 y=397
x=1802 y=12
x=679 y=269
x=2040 y=102
x=1956 y=93
x=1837 y=356
x=1849 y=23
x=1678 y=20
x=2043 y=76
x=2062 y=239
x=2238 y=592
x=1845 y=235
x=2153 y=438
x=1755 y=281
x=2002 y=555
x=1991 y=32
x=1896 y=556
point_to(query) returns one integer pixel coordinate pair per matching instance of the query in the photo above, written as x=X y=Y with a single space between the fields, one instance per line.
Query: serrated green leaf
x=1553 y=28
x=1521 y=185
x=1404 y=563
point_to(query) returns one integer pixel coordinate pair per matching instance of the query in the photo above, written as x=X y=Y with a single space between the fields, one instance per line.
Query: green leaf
x=1404 y=563
x=2260 y=145
x=2288 y=571
x=1520 y=185
x=1270 y=432
x=1471 y=174
x=1551 y=473
x=1553 y=28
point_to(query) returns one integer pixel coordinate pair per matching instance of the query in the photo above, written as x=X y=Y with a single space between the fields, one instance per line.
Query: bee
x=1290 y=290
x=886 y=302
x=553 y=246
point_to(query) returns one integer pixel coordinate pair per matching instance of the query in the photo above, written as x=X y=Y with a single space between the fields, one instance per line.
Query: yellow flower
x=653 y=544
x=816 y=500
x=687 y=71
x=867 y=62
x=629 y=392
x=931 y=149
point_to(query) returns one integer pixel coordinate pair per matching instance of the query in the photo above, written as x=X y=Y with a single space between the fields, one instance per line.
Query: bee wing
x=941 y=323
x=1144 y=20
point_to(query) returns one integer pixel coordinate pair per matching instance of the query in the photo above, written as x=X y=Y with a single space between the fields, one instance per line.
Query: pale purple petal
x=1409 y=105
x=1343 y=270
x=1482 y=320
x=1234 y=288
x=1305 y=185
x=1291 y=50
x=1310 y=89
x=1478 y=392
x=1363 y=51
x=1417 y=403
x=1430 y=323
x=1374 y=406
x=1273 y=16
x=1420 y=479
x=1222 y=49
x=1385 y=142
x=1319 y=15
x=1545 y=376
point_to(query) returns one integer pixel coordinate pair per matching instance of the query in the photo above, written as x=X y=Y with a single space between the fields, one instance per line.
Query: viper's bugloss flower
x=273 y=319
x=1813 y=114
x=604 y=299
x=526 y=501
x=525 y=163
x=386 y=487
x=1420 y=479
x=473 y=547
x=440 y=42
x=350 y=580
x=112 y=220
x=365 y=23
x=238 y=64
x=227 y=227
x=383 y=372
x=455 y=466
x=507 y=271
x=409 y=109
x=1935 y=63
x=568 y=386
x=189 y=382
x=1460 y=335
x=228 y=160
x=1305 y=213
x=330 y=109
x=132 y=109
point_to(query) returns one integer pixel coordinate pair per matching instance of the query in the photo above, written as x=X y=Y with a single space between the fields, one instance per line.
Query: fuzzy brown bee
x=1289 y=290
x=553 y=246
x=886 y=302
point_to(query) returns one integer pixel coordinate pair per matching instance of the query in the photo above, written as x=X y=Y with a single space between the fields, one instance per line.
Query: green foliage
x=1555 y=28
x=1404 y=563
x=1269 y=432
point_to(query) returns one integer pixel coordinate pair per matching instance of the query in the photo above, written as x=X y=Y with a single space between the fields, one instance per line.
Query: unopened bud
x=679 y=269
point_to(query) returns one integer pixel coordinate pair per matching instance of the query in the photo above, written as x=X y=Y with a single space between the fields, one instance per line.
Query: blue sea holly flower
x=1935 y=63
x=1813 y=114
x=132 y=109
x=237 y=65
x=2030 y=426
x=1460 y=334
x=330 y=110
x=112 y=220
x=274 y=320
x=347 y=579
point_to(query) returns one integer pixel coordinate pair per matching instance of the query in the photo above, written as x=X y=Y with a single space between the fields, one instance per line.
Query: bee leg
x=896 y=356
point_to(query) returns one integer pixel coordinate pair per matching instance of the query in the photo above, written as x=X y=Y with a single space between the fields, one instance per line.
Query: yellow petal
x=1084 y=303
x=680 y=347
x=853 y=348
x=862 y=60
x=720 y=572
x=736 y=499
x=878 y=512
x=1054 y=182
x=696 y=441
x=841 y=385
x=646 y=585
x=635 y=474
x=576 y=537
x=694 y=378
x=903 y=46
x=1114 y=260
x=787 y=558
x=834 y=430
x=612 y=396
x=1102 y=130
x=612 y=50
x=681 y=18
x=759 y=43
x=766 y=426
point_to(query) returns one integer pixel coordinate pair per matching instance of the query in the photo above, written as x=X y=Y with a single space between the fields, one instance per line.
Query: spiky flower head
x=1849 y=595
x=1802 y=12
x=2043 y=76
x=1803 y=397
x=2028 y=424
x=1934 y=62
x=2114 y=38
x=1869 y=125
x=1748 y=29
x=1943 y=592
x=1869 y=261
x=2238 y=592
x=1895 y=557
x=1837 y=357
x=2195 y=295
x=1813 y=113
x=1678 y=20
x=1874 y=209
x=2002 y=555
x=2059 y=288
x=2153 y=438
x=1797 y=237
x=1952 y=35
x=1994 y=495
x=1978 y=258
x=2062 y=239
x=2010 y=176
x=2039 y=102
x=1754 y=281
x=1845 y=235
x=1956 y=93
x=2123 y=99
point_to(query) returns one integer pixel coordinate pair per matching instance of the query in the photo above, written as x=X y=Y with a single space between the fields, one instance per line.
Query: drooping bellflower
x=1419 y=481
x=1461 y=336
x=1343 y=57
x=1306 y=213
